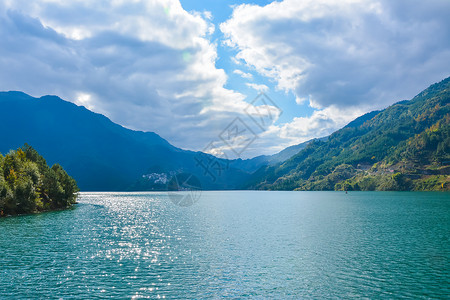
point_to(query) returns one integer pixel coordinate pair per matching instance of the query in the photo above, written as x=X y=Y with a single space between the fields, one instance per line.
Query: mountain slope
x=252 y=164
x=403 y=147
x=99 y=154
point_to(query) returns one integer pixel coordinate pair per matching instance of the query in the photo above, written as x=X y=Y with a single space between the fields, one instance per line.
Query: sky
x=232 y=78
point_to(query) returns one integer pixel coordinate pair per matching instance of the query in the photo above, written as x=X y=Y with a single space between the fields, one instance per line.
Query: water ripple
x=232 y=245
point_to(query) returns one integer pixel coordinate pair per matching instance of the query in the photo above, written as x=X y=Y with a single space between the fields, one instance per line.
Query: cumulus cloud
x=148 y=65
x=320 y=124
x=346 y=53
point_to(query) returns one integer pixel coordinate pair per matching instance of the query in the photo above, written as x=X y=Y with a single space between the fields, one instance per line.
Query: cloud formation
x=243 y=74
x=148 y=65
x=346 y=53
x=258 y=87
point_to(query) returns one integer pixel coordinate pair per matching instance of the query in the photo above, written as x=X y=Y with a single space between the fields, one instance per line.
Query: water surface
x=232 y=244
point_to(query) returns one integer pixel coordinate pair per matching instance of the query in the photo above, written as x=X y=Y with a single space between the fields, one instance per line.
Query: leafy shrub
x=28 y=184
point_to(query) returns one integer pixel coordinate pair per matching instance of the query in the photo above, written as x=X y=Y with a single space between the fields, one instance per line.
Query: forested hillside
x=404 y=147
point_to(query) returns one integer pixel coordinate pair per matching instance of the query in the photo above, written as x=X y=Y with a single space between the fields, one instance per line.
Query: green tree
x=27 y=184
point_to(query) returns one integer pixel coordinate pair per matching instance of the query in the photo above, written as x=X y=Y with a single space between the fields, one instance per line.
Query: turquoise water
x=232 y=244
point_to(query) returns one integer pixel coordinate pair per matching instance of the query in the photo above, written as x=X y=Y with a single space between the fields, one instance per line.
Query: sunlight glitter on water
x=232 y=244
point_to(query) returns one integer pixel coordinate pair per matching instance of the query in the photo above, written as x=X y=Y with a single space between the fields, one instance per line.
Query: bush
x=28 y=184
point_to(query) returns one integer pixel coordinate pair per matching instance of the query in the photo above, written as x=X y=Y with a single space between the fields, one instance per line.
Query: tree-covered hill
x=102 y=155
x=28 y=184
x=404 y=147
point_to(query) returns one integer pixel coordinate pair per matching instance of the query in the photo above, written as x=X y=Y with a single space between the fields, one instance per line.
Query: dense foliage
x=404 y=147
x=28 y=184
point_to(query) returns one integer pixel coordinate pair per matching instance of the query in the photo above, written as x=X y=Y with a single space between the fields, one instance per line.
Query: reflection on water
x=232 y=244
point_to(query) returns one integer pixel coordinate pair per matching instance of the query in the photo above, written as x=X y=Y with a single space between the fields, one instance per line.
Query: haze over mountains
x=104 y=156
x=409 y=137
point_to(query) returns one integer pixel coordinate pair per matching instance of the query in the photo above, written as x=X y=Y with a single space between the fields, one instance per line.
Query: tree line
x=29 y=185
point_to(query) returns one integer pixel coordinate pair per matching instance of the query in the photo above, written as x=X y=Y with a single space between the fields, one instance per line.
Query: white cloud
x=258 y=87
x=85 y=100
x=243 y=74
x=345 y=53
x=148 y=65
x=320 y=124
x=343 y=58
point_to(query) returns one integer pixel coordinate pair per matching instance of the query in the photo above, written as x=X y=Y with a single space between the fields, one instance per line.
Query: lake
x=233 y=244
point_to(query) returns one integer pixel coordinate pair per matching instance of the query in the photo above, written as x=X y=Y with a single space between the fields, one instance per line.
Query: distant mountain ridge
x=403 y=147
x=99 y=154
x=104 y=156
x=409 y=139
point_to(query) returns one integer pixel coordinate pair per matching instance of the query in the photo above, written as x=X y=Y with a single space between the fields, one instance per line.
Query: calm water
x=232 y=244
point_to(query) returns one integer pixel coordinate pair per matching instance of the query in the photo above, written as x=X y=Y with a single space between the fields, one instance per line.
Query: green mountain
x=102 y=155
x=404 y=147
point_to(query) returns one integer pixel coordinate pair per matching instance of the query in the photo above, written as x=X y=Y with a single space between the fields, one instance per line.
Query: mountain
x=255 y=163
x=290 y=151
x=104 y=156
x=403 y=147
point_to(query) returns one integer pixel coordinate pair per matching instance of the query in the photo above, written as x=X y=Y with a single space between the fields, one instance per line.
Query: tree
x=27 y=184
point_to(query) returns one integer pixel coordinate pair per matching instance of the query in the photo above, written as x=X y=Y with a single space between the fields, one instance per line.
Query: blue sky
x=191 y=70
x=221 y=11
